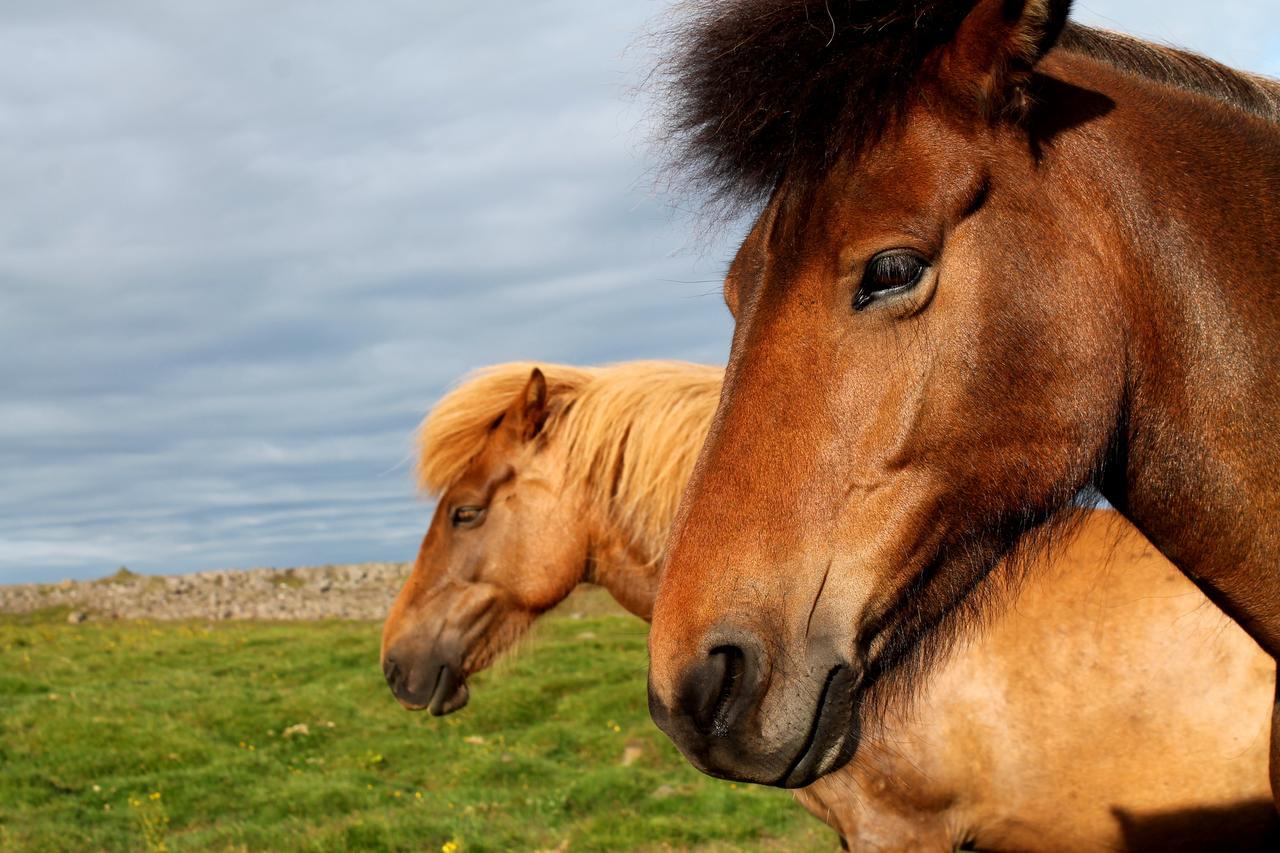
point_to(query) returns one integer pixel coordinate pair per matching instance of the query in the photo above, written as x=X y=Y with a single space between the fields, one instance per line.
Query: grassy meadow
x=270 y=736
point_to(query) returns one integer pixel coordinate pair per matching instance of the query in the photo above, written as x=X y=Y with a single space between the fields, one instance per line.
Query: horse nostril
x=392 y=672
x=711 y=688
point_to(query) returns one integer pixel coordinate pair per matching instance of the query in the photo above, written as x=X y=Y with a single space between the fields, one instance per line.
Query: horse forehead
x=914 y=174
x=496 y=463
x=907 y=174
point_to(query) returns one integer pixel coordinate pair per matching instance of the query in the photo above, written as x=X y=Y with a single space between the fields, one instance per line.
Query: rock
x=363 y=591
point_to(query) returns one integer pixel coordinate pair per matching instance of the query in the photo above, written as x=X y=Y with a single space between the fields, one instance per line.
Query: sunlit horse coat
x=574 y=475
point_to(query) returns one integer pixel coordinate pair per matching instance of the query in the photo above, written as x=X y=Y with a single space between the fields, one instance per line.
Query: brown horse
x=589 y=473
x=1000 y=259
x=528 y=511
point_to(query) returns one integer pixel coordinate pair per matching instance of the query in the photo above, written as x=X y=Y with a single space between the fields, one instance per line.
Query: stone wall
x=360 y=591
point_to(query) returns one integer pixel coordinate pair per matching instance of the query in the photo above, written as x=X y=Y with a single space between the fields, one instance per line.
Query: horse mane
x=759 y=90
x=1182 y=69
x=457 y=427
x=631 y=433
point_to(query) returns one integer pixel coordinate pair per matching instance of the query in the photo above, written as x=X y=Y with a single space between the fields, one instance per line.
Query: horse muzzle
x=434 y=682
x=736 y=716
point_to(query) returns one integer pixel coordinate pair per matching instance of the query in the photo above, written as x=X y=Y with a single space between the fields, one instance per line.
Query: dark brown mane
x=1181 y=69
x=762 y=89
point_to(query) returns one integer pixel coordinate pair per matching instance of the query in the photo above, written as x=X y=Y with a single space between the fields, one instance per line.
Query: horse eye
x=889 y=272
x=466 y=516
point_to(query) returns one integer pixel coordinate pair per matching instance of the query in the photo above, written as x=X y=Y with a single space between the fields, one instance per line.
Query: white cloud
x=244 y=245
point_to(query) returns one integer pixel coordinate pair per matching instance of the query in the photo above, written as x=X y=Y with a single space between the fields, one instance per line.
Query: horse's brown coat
x=1098 y=307
x=1120 y=748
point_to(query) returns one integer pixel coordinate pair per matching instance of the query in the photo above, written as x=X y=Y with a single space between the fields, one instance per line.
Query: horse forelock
x=630 y=434
x=457 y=427
x=759 y=92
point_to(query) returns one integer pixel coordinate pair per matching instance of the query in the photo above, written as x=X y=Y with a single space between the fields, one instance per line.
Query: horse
x=556 y=476
x=998 y=261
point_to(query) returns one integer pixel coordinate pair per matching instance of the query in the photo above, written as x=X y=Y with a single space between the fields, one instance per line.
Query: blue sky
x=245 y=245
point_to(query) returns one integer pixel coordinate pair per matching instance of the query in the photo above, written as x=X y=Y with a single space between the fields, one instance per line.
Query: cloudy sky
x=244 y=246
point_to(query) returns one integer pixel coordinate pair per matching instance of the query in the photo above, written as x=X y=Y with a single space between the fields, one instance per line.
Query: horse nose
x=433 y=680
x=394 y=674
x=717 y=689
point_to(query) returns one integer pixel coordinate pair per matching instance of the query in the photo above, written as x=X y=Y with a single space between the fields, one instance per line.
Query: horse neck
x=1197 y=447
x=619 y=563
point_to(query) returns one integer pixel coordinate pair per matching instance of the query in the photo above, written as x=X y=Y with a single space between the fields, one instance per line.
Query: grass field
x=150 y=735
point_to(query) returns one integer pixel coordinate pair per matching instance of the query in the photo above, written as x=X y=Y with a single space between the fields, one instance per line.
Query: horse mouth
x=831 y=740
x=450 y=692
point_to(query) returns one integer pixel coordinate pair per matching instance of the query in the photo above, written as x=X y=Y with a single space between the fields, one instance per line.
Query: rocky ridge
x=358 y=591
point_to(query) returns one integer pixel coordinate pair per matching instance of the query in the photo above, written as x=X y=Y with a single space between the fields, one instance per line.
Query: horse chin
x=802 y=743
x=444 y=692
x=833 y=734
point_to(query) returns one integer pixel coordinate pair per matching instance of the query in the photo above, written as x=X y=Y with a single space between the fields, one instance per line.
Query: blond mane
x=631 y=433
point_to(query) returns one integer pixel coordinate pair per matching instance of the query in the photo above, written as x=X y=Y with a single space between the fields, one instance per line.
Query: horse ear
x=528 y=411
x=995 y=48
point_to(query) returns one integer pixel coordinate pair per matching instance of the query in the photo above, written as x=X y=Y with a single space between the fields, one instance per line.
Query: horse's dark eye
x=466 y=516
x=889 y=272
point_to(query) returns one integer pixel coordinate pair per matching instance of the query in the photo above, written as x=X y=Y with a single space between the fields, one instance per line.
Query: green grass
x=136 y=735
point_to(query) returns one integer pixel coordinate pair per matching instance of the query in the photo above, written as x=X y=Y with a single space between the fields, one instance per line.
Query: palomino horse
x=1000 y=259
x=543 y=489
